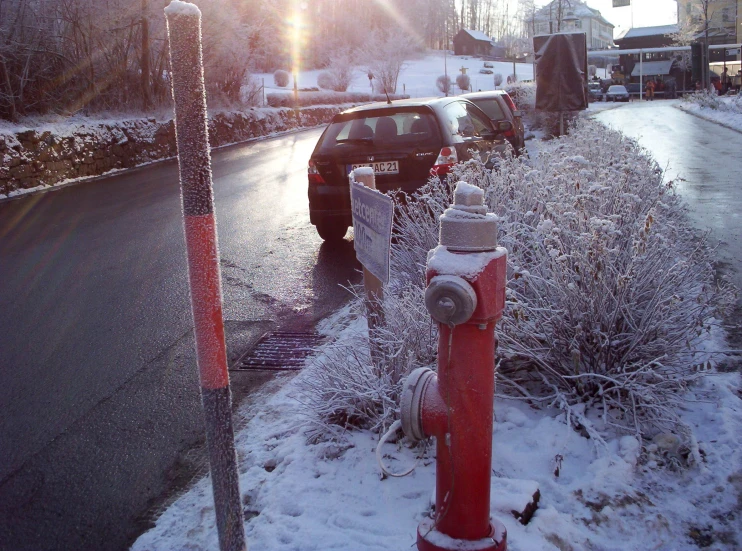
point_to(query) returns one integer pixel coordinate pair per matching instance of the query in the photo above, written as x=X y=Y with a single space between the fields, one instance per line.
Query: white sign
x=372 y=227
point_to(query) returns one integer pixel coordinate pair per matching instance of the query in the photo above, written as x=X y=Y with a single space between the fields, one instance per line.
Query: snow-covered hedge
x=327 y=98
x=609 y=289
x=54 y=153
x=711 y=100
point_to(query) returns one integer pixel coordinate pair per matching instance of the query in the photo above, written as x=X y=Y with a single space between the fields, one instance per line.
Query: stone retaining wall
x=35 y=158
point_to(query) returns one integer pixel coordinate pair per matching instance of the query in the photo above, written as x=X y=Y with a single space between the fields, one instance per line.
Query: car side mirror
x=504 y=126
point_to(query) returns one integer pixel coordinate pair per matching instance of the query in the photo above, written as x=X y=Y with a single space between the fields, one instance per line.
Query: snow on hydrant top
x=468 y=195
x=176 y=7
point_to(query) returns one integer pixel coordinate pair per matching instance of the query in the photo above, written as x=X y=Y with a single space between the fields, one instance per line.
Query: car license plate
x=381 y=167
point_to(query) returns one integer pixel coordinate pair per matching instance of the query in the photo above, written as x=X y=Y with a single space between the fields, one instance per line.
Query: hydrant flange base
x=429 y=539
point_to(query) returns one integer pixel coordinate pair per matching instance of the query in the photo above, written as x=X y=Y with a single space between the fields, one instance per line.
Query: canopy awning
x=653 y=68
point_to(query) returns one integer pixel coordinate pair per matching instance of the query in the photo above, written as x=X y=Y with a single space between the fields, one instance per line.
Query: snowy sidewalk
x=299 y=496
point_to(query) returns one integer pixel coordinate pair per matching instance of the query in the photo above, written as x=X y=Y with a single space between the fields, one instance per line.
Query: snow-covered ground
x=730 y=118
x=304 y=497
x=418 y=76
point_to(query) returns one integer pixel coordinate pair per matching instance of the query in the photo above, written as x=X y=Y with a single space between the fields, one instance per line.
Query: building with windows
x=724 y=21
x=573 y=16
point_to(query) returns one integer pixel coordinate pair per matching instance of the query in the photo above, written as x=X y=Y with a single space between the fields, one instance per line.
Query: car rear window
x=381 y=129
x=491 y=107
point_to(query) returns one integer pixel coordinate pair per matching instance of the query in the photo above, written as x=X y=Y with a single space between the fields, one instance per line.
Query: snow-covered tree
x=386 y=55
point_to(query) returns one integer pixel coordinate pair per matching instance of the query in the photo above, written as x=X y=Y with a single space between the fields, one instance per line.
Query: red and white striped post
x=194 y=161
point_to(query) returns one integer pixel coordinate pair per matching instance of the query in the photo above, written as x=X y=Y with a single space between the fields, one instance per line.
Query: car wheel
x=332 y=232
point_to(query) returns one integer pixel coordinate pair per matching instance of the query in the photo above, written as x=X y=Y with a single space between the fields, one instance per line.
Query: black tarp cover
x=561 y=61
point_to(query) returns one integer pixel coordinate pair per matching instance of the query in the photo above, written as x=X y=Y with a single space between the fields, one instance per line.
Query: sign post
x=373 y=213
x=199 y=220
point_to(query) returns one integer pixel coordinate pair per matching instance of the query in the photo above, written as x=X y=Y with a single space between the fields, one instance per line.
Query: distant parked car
x=595 y=91
x=617 y=92
x=499 y=106
x=488 y=65
x=485 y=71
x=405 y=142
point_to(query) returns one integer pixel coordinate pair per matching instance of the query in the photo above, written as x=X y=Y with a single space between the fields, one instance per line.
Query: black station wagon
x=406 y=142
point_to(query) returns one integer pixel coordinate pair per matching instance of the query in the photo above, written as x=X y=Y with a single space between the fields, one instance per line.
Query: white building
x=573 y=16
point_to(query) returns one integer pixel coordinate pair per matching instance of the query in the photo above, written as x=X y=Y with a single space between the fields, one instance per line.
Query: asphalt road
x=100 y=406
x=703 y=159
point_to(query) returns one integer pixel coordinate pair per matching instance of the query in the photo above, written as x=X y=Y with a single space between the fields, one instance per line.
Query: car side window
x=458 y=120
x=480 y=120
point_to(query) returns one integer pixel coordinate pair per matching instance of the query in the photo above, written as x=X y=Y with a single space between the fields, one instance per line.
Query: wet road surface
x=99 y=397
x=703 y=158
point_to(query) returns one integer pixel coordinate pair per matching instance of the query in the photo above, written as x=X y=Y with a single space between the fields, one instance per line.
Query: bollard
x=194 y=162
x=466 y=296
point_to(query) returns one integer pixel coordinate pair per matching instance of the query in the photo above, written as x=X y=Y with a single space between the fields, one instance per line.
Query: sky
x=646 y=13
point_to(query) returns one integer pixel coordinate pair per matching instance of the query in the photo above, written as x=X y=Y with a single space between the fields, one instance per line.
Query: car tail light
x=315 y=178
x=509 y=101
x=446 y=159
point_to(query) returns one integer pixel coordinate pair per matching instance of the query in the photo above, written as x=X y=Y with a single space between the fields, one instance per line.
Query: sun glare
x=297 y=35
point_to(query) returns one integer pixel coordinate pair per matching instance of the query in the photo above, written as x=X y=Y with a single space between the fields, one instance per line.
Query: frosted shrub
x=324 y=80
x=711 y=100
x=341 y=70
x=523 y=94
x=346 y=389
x=608 y=290
x=281 y=78
x=443 y=83
x=608 y=287
x=704 y=98
x=498 y=79
x=463 y=81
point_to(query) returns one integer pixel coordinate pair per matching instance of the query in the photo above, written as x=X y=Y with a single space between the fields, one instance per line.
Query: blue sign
x=372 y=227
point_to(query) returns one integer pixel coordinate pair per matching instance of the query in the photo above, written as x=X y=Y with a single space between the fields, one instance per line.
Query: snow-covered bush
x=387 y=53
x=609 y=289
x=498 y=79
x=346 y=389
x=463 y=82
x=326 y=97
x=341 y=69
x=325 y=80
x=443 y=83
x=523 y=94
x=281 y=78
x=608 y=285
x=710 y=100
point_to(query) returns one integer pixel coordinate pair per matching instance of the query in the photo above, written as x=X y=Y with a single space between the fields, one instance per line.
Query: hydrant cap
x=466 y=226
x=450 y=300
x=411 y=402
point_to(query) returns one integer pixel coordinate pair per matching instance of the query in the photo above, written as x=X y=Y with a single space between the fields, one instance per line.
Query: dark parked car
x=405 y=142
x=617 y=92
x=595 y=91
x=499 y=106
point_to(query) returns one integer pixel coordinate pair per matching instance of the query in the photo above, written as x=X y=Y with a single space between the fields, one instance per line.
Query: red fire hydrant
x=466 y=296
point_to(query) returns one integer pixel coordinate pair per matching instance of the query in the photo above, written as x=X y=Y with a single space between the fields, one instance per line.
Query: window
x=578 y=24
x=465 y=121
x=725 y=15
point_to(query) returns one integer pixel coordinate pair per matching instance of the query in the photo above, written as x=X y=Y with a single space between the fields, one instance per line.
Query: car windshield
x=385 y=128
x=617 y=89
x=491 y=107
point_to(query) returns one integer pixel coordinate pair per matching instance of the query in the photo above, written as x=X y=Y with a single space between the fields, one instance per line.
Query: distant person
x=726 y=82
x=717 y=86
x=650 y=90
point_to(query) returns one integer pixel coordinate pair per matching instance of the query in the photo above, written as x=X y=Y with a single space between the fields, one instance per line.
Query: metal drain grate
x=279 y=351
